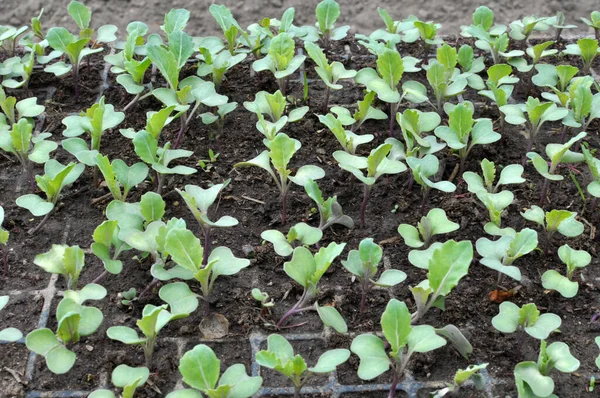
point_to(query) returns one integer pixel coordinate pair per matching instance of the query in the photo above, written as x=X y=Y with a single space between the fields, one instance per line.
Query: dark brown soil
x=468 y=306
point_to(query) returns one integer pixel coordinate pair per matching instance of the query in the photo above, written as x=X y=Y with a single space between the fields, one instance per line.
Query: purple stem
x=563 y=134
x=395 y=380
x=295 y=309
x=147 y=289
x=100 y=277
x=529 y=147
x=392 y=119
x=363 y=206
x=181 y=130
x=34 y=230
x=283 y=208
x=326 y=102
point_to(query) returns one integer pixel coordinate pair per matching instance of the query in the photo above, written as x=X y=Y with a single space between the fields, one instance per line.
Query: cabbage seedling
x=558 y=22
x=4 y=234
x=127 y=378
x=74 y=321
x=496 y=44
x=264 y=300
x=218 y=116
x=587 y=49
x=511 y=174
x=500 y=255
x=347 y=139
x=280 y=357
x=75 y=46
x=558 y=77
x=281 y=150
x=533 y=380
x=558 y=153
x=512 y=318
x=55 y=178
x=9 y=36
x=118 y=175
x=330 y=211
x=471 y=67
x=186 y=95
x=536 y=53
x=284 y=245
x=500 y=86
x=443 y=77
x=280 y=60
x=231 y=29
x=463 y=132
x=9 y=334
x=435 y=223
x=187 y=252
x=447 y=263
x=96 y=120
x=327 y=13
x=129 y=68
x=384 y=81
x=106 y=237
x=413 y=124
x=483 y=18
x=403 y=339
x=200 y=369
x=17 y=136
x=552 y=221
x=423 y=169
x=363 y=263
x=159 y=158
x=307 y=269
x=537 y=114
x=153 y=320
x=199 y=200
x=460 y=378
x=273 y=107
x=215 y=63
x=364 y=111
x=565 y=285
x=594 y=23
x=329 y=73
x=64 y=260
x=593 y=165
x=522 y=29
x=378 y=163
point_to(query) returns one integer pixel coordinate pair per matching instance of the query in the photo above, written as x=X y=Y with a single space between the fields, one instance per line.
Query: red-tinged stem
x=529 y=147
x=392 y=119
x=148 y=288
x=326 y=102
x=76 y=80
x=365 y=291
x=424 y=201
x=363 y=206
x=206 y=246
x=297 y=391
x=100 y=277
x=34 y=230
x=563 y=134
x=160 y=180
x=395 y=380
x=181 y=130
x=295 y=309
x=283 y=208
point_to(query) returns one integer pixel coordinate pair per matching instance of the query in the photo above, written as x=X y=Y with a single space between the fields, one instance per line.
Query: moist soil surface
x=252 y=198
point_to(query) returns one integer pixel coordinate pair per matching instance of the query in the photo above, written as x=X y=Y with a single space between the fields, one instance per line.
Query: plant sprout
x=8 y=334
x=127 y=378
x=363 y=263
x=587 y=49
x=330 y=211
x=434 y=223
x=284 y=245
x=527 y=318
x=594 y=23
x=563 y=221
x=565 y=285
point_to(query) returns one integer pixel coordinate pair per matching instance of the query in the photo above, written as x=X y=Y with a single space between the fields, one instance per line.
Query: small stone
x=321 y=151
x=248 y=251
x=89 y=348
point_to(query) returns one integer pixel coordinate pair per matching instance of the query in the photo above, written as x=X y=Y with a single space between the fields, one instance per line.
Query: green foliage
x=280 y=357
x=463 y=132
x=500 y=84
x=434 y=223
x=8 y=334
x=495 y=41
x=445 y=80
x=522 y=29
x=552 y=221
x=106 y=237
x=230 y=27
x=4 y=234
x=327 y=13
x=330 y=211
x=329 y=73
x=565 y=285
x=424 y=170
x=74 y=321
x=533 y=378
x=302 y=233
x=512 y=318
x=384 y=81
x=593 y=165
x=281 y=59
x=118 y=175
x=511 y=174
x=364 y=111
x=587 y=49
x=404 y=340
x=461 y=377
x=413 y=125
x=64 y=260
x=200 y=369
x=216 y=63
x=364 y=263
x=347 y=139
x=127 y=378
x=131 y=63
x=500 y=254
